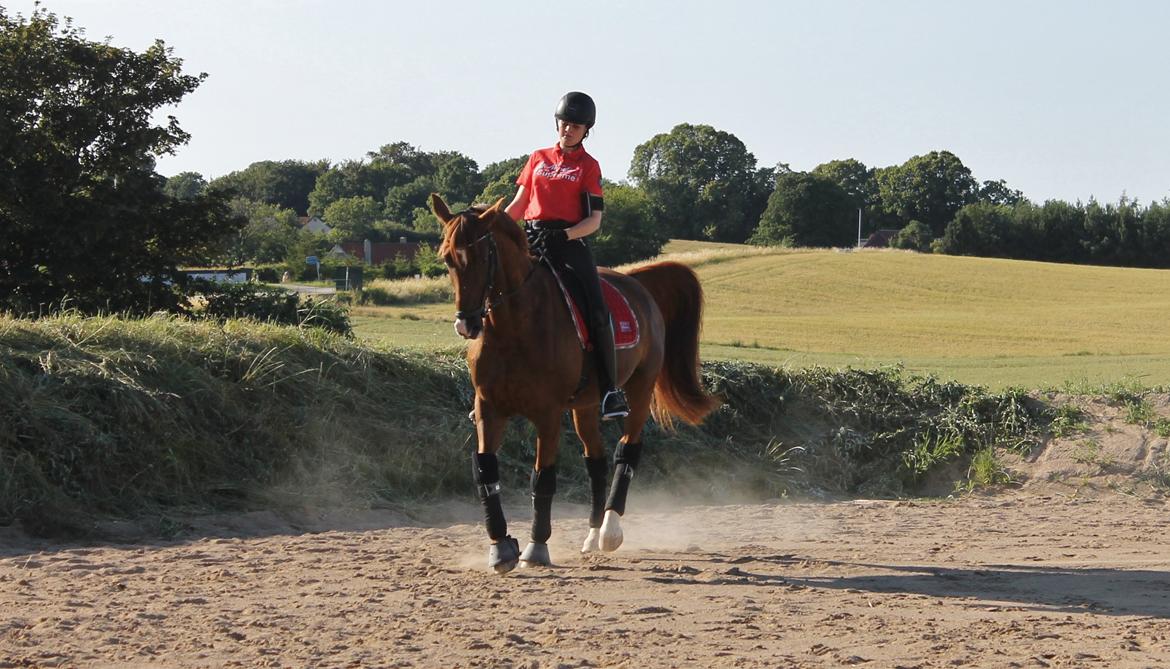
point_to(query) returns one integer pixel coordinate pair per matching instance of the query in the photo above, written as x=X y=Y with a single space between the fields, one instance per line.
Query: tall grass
x=131 y=418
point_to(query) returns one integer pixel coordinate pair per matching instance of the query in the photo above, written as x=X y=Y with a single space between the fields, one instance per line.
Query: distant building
x=314 y=224
x=379 y=253
x=880 y=239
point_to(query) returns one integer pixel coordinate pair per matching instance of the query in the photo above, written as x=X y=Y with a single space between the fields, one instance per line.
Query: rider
x=559 y=197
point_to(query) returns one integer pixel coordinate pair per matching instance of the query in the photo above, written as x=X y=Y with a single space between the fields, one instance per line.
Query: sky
x=1062 y=99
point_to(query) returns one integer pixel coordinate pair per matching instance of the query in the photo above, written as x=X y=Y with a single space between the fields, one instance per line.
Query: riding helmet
x=576 y=107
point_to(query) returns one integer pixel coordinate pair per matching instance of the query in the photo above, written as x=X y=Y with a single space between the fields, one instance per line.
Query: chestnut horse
x=526 y=359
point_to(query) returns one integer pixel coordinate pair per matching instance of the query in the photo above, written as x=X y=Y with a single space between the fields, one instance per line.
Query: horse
x=526 y=359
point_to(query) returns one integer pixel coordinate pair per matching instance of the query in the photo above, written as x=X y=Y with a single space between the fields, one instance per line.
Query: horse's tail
x=678 y=389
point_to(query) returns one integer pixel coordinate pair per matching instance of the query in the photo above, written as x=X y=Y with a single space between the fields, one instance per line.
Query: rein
x=487 y=304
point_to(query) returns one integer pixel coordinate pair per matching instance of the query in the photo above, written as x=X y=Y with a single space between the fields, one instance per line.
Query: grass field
x=985 y=321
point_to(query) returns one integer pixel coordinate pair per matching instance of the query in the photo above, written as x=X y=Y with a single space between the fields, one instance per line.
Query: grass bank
x=107 y=417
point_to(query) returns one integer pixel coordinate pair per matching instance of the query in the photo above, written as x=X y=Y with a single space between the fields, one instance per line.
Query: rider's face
x=570 y=134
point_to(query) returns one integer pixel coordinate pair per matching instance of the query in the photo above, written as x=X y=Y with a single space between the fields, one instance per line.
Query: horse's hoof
x=592 y=541
x=611 y=531
x=535 y=555
x=503 y=556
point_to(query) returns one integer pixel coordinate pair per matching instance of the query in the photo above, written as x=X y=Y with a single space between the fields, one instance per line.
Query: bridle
x=487 y=304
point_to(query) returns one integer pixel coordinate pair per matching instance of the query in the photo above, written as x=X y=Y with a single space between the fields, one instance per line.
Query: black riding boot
x=613 y=399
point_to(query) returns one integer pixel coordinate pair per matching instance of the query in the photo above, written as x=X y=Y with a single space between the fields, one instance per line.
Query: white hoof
x=611 y=531
x=592 y=541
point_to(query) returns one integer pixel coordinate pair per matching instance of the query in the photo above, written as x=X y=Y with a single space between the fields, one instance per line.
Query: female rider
x=559 y=198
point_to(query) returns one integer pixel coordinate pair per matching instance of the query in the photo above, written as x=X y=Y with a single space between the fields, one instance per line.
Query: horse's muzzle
x=469 y=328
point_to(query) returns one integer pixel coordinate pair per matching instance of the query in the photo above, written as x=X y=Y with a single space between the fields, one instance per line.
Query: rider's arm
x=519 y=203
x=586 y=227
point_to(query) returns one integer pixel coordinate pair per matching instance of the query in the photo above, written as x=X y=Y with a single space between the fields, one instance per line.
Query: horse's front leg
x=586 y=420
x=544 y=487
x=504 y=552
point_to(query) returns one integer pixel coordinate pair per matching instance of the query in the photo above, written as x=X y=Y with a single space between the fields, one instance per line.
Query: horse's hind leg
x=625 y=460
x=586 y=420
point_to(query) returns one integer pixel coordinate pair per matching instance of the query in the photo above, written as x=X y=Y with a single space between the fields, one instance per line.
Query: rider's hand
x=540 y=240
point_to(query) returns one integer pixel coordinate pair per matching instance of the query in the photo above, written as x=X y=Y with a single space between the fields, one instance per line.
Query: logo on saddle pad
x=625 y=323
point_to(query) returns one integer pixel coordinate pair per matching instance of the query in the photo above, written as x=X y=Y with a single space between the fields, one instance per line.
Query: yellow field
x=978 y=320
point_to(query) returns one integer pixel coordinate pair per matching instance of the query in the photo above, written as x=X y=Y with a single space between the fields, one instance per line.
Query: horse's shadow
x=1106 y=591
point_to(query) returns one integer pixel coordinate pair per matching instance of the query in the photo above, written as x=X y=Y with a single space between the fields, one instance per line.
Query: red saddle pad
x=625 y=323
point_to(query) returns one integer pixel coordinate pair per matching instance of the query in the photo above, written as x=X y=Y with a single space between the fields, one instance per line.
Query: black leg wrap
x=544 y=486
x=625 y=459
x=598 y=469
x=485 y=469
x=629 y=454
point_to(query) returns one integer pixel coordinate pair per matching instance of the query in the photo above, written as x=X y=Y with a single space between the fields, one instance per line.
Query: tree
x=998 y=192
x=85 y=218
x=807 y=210
x=185 y=185
x=500 y=180
x=853 y=177
x=627 y=232
x=980 y=229
x=285 y=183
x=269 y=236
x=352 y=218
x=702 y=183
x=929 y=188
x=914 y=237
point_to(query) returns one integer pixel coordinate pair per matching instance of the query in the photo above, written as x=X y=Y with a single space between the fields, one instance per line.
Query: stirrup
x=614 y=405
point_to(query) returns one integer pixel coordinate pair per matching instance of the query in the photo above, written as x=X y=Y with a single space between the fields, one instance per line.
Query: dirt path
x=1016 y=580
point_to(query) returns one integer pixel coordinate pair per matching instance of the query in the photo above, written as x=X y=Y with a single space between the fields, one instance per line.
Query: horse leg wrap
x=544 y=486
x=625 y=461
x=598 y=468
x=485 y=469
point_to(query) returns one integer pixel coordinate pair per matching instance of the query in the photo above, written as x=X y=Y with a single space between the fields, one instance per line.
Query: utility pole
x=859 y=227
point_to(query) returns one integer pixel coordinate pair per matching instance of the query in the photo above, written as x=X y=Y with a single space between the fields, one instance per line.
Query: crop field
x=984 y=321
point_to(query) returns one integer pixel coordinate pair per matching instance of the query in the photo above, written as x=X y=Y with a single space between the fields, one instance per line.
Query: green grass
x=992 y=322
x=107 y=416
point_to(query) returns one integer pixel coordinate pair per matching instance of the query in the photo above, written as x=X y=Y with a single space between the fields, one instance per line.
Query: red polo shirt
x=555 y=181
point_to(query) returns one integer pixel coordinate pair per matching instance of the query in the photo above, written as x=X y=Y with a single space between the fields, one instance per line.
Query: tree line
x=87 y=219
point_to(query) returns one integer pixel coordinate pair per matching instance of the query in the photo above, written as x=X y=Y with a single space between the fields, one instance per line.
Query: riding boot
x=613 y=399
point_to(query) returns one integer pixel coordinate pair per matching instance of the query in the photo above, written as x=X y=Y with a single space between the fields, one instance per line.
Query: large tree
x=702 y=183
x=285 y=183
x=84 y=215
x=930 y=188
x=807 y=210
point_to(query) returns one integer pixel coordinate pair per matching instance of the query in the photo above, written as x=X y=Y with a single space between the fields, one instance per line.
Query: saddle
x=625 y=323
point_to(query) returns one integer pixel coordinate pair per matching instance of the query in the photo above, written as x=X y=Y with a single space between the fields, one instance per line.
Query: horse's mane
x=508 y=228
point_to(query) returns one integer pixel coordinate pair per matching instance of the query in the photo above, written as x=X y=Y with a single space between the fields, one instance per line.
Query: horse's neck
x=515 y=295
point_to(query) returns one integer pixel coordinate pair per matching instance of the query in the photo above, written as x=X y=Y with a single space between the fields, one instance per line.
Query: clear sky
x=1063 y=99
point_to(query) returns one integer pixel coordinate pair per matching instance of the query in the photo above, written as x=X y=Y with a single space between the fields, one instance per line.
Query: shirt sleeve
x=525 y=178
x=593 y=178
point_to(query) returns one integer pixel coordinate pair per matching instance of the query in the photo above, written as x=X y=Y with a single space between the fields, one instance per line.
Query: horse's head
x=473 y=258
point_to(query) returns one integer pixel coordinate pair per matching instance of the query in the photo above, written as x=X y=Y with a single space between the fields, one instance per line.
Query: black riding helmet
x=576 y=107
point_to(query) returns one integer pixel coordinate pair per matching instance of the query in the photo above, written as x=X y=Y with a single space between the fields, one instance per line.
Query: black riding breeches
x=574 y=255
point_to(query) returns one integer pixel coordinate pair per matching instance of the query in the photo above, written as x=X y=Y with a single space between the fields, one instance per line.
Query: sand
x=1069 y=569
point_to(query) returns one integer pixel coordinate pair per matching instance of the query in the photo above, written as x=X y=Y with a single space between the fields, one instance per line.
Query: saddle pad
x=625 y=323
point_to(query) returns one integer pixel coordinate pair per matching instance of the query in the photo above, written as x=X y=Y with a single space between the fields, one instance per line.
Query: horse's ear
x=440 y=209
x=495 y=210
